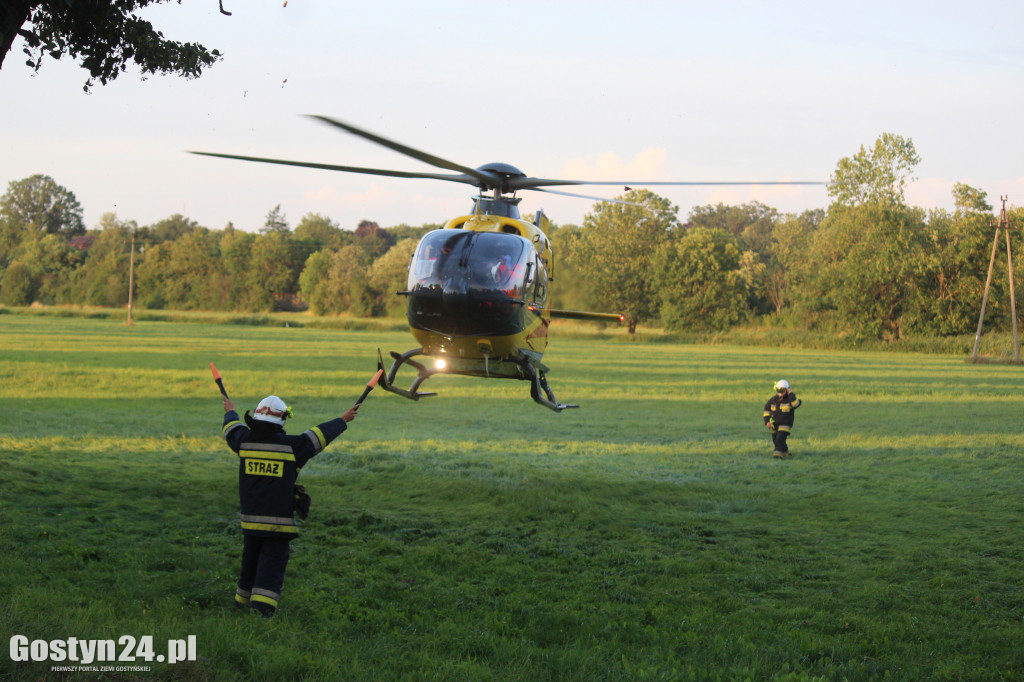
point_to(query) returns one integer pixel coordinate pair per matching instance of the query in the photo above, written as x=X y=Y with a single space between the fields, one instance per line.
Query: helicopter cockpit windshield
x=479 y=264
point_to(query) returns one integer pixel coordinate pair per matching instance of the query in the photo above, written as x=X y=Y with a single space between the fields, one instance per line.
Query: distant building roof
x=82 y=242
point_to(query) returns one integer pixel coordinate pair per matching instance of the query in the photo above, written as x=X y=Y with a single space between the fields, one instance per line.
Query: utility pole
x=131 y=278
x=1003 y=223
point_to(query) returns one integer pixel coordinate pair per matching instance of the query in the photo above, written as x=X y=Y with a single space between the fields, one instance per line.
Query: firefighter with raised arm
x=778 y=416
x=269 y=461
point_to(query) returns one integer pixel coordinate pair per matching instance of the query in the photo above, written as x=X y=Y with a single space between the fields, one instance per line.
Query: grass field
x=648 y=535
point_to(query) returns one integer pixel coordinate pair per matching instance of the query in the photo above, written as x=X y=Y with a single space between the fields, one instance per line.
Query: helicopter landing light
x=440 y=363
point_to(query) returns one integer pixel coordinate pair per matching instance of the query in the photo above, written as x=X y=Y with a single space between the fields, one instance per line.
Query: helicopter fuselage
x=477 y=296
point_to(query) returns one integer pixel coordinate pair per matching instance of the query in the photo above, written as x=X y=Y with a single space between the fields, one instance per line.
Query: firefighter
x=269 y=461
x=778 y=416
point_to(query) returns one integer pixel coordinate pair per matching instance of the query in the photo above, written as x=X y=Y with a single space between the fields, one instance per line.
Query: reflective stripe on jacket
x=779 y=410
x=269 y=461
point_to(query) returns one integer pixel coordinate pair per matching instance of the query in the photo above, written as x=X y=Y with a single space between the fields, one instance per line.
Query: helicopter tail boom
x=580 y=315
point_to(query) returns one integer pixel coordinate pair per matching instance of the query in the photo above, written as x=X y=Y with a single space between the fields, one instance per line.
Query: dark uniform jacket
x=269 y=461
x=779 y=411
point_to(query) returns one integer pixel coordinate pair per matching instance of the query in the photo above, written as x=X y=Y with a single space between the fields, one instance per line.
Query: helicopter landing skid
x=422 y=374
x=539 y=389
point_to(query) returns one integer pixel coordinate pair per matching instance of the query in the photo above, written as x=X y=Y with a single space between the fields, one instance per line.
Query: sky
x=626 y=91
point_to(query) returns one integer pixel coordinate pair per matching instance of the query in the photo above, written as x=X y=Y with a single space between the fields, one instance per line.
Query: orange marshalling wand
x=220 y=382
x=369 y=386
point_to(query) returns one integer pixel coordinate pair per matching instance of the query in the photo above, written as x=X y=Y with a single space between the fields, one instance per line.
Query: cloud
x=1011 y=188
x=325 y=193
x=938 y=192
x=785 y=198
x=648 y=164
x=932 y=193
x=651 y=164
x=387 y=203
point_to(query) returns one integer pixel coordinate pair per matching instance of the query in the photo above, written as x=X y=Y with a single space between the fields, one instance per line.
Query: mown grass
x=648 y=535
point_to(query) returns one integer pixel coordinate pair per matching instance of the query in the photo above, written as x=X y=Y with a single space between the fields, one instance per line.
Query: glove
x=301 y=501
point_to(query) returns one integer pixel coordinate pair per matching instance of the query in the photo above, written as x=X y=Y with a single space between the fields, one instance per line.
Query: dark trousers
x=779 y=440
x=264 y=560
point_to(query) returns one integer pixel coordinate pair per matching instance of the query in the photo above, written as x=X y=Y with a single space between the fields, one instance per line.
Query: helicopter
x=478 y=288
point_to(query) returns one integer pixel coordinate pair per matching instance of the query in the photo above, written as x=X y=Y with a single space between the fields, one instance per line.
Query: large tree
x=875 y=176
x=52 y=262
x=169 y=229
x=373 y=239
x=38 y=204
x=104 y=37
x=954 y=268
x=869 y=250
x=103 y=279
x=790 y=265
x=17 y=286
x=699 y=281
x=235 y=249
x=389 y=274
x=751 y=223
x=186 y=273
x=868 y=264
x=614 y=254
x=320 y=232
x=336 y=281
x=33 y=207
x=570 y=289
x=274 y=268
x=313 y=283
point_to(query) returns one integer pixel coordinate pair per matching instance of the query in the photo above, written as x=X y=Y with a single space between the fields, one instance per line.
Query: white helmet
x=781 y=385
x=272 y=409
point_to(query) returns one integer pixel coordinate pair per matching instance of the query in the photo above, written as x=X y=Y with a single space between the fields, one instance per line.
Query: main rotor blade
x=583 y=196
x=465 y=179
x=534 y=183
x=408 y=151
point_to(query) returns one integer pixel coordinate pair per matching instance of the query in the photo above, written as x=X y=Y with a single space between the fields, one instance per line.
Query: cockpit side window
x=540 y=282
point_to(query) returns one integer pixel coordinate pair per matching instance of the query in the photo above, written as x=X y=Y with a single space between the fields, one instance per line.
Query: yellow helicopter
x=478 y=288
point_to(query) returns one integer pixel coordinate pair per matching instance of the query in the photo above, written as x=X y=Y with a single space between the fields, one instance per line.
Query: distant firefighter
x=779 y=412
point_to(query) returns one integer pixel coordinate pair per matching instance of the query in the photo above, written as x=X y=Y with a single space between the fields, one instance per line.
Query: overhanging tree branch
x=103 y=37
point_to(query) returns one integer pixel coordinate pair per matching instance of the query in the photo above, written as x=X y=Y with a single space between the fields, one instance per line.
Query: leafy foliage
x=570 y=288
x=321 y=232
x=879 y=175
x=868 y=262
x=373 y=239
x=868 y=267
x=750 y=223
x=697 y=277
x=186 y=271
x=616 y=249
x=104 y=37
x=389 y=274
x=37 y=205
x=17 y=287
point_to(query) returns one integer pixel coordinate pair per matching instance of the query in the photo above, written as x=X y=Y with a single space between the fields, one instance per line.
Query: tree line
x=869 y=265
